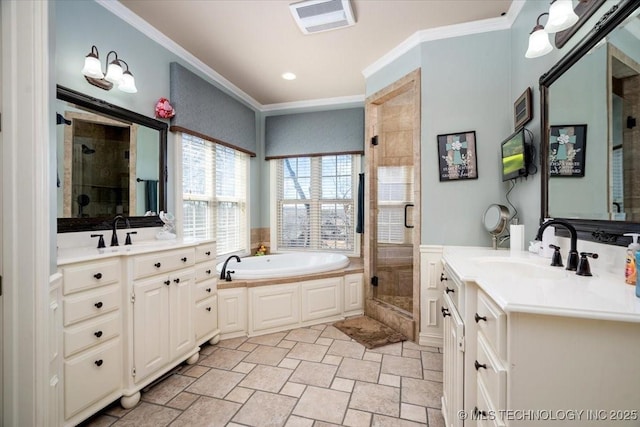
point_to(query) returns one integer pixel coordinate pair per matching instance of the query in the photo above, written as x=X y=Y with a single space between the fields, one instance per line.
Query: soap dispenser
x=630 y=270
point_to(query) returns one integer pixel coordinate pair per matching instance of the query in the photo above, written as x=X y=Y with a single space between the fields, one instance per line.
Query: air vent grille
x=313 y=16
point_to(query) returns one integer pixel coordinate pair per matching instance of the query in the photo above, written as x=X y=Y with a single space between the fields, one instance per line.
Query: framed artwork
x=567 y=150
x=457 y=156
x=522 y=109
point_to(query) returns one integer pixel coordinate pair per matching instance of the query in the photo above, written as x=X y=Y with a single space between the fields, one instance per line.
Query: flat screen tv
x=514 y=156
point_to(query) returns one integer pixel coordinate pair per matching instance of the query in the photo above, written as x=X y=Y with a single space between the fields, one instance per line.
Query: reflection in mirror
x=595 y=90
x=110 y=161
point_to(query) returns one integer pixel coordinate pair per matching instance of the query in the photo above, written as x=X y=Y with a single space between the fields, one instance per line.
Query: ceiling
x=252 y=42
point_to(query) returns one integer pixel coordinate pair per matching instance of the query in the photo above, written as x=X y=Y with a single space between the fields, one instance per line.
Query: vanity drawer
x=484 y=411
x=492 y=321
x=93 y=332
x=205 y=289
x=491 y=373
x=93 y=375
x=206 y=271
x=91 y=304
x=162 y=262
x=206 y=252
x=79 y=277
x=206 y=317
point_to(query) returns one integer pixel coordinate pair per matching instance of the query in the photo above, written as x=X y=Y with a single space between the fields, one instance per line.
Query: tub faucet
x=223 y=272
x=114 y=228
x=572 y=259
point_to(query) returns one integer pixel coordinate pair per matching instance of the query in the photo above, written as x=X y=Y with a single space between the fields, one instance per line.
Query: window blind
x=231 y=194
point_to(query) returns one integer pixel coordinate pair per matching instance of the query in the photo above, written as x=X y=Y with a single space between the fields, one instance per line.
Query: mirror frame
x=67 y=225
x=601 y=231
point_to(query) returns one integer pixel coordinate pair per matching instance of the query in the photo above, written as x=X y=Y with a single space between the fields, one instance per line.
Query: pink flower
x=164 y=110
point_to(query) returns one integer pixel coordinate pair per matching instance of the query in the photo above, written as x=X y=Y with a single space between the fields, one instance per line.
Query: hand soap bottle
x=630 y=269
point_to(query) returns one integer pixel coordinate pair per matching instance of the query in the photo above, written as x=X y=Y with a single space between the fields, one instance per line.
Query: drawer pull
x=208 y=271
x=184 y=259
x=98 y=362
x=98 y=276
x=479 y=318
x=447 y=290
x=478 y=413
x=208 y=308
x=442 y=277
x=445 y=312
x=207 y=253
x=98 y=334
x=98 y=304
x=480 y=365
x=177 y=280
x=167 y=282
x=157 y=265
x=208 y=290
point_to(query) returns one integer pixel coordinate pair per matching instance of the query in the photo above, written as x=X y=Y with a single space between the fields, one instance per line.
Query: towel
x=151 y=196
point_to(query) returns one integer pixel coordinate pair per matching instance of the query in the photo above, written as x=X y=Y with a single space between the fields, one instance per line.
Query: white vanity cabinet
x=232 y=312
x=92 y=337
x=205 y=295
x=321 y=299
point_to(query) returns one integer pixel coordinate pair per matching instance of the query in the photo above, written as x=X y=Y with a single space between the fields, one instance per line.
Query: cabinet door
x=453 y=366
x=274 y=306
x=150 y=325
x=321 y=298
x=232 y=310
x=353 y=289
x=181 y=334
x=206 y=317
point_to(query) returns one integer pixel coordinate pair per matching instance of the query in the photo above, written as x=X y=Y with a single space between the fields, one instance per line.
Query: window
x=395 y=193
x=315 y=207
x=214 y=194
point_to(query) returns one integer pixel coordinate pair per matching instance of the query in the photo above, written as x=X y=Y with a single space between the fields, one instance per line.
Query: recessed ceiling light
x=288 y=76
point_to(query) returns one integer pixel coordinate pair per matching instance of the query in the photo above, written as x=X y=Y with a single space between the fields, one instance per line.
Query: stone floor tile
x=435 y=417
x=414 y=354
x=376 y=398
x=421 y=392
x=315 y=402
x=269 y=339
x=248 y=347
x=342 y=384
x=215 y=383
x=390 y=380
x=224 y=358
x=266 y=378
x=401 y=366
x=384 y=421
x=432 y=375
x=312 y=373
x=206 y=412
x=350 y=349
x=413 y=413
x=100 y=420
x=319 y=327
x=286 y=344
x=393 y=349
x=305 y=351
x=295 y=421
x=332 y=360
x=374 y=357
x=166 y=390
x=244 y=367
x=182 y=401
x=334 y=333
x=207 y=349
x=195 y=371
x=324 y=341
x=410 y=345
x=289 y=363
x=357 y=418
x=303 y=335
x=231 y=343
x=324 y=424
x=116 y=410
x=265 y=409
x=148 y=415
x=266 y=355
x=432 y=361
x=361 y=370
x=293 y=389
x=239 y=395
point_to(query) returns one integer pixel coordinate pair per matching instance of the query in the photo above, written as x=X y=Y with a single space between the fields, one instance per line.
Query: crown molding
x=342 y=100
x=450 y=31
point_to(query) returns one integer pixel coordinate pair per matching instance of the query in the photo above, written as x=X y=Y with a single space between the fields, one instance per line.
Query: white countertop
x=525 y=282
x=92 y=253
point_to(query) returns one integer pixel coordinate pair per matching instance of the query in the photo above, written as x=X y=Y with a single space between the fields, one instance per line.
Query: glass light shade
x=114 y=72
x=561 y=16
x=128 y=84
x=92 y=67
x=539 y=44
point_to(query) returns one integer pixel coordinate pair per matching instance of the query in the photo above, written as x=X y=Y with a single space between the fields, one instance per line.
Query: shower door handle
x=406 y=215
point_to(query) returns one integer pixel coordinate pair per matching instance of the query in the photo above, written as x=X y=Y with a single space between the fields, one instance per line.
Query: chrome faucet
x=572 y=259
x=114 y=228
x=223 y=272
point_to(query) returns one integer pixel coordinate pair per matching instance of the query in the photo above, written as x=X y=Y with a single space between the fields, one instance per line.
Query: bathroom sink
x=520 y=269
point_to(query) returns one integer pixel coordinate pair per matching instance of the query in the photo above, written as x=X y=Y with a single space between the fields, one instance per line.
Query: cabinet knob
x=167 y=282
x=98 y=276
x=208 y=290
x=447 y=290
x=479 y=318
x=184 y=259
x=208 y=271
x=98 y=334
x=445 y=312
x=208 y=308
x=480 y=365
x=98 y=304
x=157 y=265
x=98 y=362
x=207 y=253
x=442 y=277
x=177 y=280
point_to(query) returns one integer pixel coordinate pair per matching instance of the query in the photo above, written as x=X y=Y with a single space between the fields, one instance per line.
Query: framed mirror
x=589 y=102
x=109 y=161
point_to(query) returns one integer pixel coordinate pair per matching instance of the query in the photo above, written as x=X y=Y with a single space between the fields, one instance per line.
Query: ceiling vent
x=314 y=16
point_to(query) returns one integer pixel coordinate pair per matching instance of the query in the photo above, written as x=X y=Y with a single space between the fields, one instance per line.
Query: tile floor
x=314 y=376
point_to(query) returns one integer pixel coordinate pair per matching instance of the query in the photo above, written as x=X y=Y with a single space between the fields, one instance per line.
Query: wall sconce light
x=115 y=75
x=561 y=17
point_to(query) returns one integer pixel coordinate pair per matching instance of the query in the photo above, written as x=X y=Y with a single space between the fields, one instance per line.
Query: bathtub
x=284 y=265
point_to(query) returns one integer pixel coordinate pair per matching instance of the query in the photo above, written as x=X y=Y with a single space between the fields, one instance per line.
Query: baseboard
x=431 y=340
